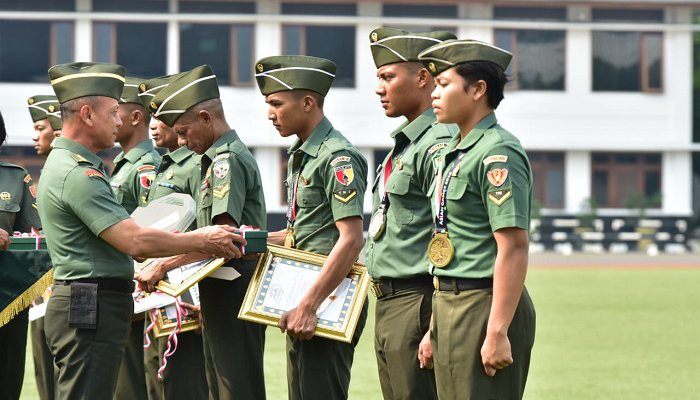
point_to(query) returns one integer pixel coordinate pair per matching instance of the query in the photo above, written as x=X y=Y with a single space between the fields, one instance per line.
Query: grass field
x=614 y=334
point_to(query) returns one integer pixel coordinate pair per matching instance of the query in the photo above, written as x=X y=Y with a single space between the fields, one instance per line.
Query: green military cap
x=188 y=90
x=130 y=93
x=55 y=121
x=279 y=73
x=391 y=45
x=149 y=88
x=74 y=80
x=41 y=106
x=452 y=52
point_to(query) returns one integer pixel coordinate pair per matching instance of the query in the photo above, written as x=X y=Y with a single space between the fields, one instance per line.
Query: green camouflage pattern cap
x=42 y=105
x=130 y=93
x=391 y=45
x=188 y=90
x=149 y=88
x=452 y=52
x=280 y=73
x=55 y=121
x=74 y=80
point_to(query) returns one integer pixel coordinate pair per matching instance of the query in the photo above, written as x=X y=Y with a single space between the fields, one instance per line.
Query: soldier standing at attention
x=46 y=114
x=400 y=228
x=326 y=180
x=230 y=193
x=483 y=325
x=184 y=378
x=91 y=238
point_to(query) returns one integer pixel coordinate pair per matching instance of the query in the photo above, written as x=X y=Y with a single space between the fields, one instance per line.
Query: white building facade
x=601 y=98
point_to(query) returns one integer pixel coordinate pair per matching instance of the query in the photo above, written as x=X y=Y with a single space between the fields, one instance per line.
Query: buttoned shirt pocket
x=9 y=206
x=400 y=208
x=458 y=186
x=309 y=196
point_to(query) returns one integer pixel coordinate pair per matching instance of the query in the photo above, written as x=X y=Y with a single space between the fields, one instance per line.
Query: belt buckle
x=376 y=290
x=436 y=283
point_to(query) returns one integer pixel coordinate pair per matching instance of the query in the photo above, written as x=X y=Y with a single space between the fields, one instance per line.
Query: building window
x=228 y=7
x=139 y=47
x=627 y=61
x=130 y=6
x=312 y=40
x=420 y=29
x=51 y=43
x=620 y=180
x=548 y=178
x=319 y=8
x=651 y=15
x=37 y=5
x=419 y=11
x=538 y=58
x=530 y=13
x=228 y=49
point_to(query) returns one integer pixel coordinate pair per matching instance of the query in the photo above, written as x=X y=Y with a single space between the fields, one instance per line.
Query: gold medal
x=377 y=223
x=289 y=238
x=440 y=250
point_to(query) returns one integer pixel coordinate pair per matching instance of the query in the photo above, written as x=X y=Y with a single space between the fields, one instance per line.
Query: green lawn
x=601 y=334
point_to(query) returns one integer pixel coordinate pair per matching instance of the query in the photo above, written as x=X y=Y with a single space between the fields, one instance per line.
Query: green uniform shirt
x=18 y=210
x=331 y=186
x=401 y=251
x=230 y=184
x=77 y=204
x=133 y=174
x=491 y=190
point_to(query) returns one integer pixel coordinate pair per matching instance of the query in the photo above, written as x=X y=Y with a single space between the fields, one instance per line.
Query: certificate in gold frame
x=203 y=269
x=165 y=325
x=339 y=313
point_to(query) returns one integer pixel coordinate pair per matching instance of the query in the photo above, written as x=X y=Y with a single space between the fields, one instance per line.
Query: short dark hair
x=72 y=107
x=146 y=119
x=492 y=74
x=301 y=93
x=3 y=131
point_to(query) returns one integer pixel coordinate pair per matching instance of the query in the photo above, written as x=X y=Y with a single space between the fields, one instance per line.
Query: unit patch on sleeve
x=437 y=147
x=340 y=159
x=27 y=179
x=344 y=174
x=146 y=178
x=32 y=190
x=499 y=197
x=344 y=196
x=221 y=169
x=497 y=176
x=495 y=158
x=93 y=173
x=221 y=190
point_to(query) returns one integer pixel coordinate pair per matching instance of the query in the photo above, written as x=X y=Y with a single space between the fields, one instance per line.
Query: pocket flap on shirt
x=398 y=184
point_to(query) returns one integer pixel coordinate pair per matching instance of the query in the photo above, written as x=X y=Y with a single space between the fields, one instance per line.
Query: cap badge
x=374 y=36
x=142 y=87
x=432 y=67
x=51 y=108
x=260 y=68
x=154 y=106
x=31 y=100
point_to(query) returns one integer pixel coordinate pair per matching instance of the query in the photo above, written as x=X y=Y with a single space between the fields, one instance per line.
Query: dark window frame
x=613 y=168
x=53 y=56
x=540 y=163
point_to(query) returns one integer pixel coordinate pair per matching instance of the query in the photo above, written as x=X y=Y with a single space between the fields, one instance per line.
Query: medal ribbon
x=292 y=208
x=388 y=168
x=441 y=198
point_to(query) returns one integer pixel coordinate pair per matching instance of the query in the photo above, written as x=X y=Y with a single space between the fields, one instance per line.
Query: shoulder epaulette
x=444 y=130
x=7 y=164
x=78 y=158
x=335 y=144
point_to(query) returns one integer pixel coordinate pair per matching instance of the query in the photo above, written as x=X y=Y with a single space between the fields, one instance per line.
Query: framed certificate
x=180 y=279
x=283 y=276
x=166 y=317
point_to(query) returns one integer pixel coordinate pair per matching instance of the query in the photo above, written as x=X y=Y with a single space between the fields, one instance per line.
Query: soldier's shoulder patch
x=27 y=179
x=32 y=190
x=146 y=167
x=221 y=190
x=499 y=197
x=221 y=169
x=344 y=174
x=345 y=195
x=222 y=156
x=340 y=159
x=91 y=172
x=146 y=178
x=495 y=158
x=497 y=176
x=436 y=147
x=79 y=158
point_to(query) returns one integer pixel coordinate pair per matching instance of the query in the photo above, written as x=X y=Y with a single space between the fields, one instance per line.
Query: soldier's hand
x=299 y=323
x=149 y=277
x=496 y=353
x=4 y=240
x=425 y=352
x=219 y=241
x=194 y=311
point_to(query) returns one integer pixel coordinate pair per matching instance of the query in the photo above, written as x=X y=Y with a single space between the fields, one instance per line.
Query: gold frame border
x=163 y=330
x=358 y=299
x=175 y=290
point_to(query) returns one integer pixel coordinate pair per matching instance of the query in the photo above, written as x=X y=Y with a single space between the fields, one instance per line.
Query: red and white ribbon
x=172 y=338
x=33 y=233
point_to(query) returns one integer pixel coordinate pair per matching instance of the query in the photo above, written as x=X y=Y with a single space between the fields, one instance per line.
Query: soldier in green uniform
x=18 y=212
x=184 y=377
x=230 y=193
x=483 y=319
x=46 y=114
x=134 y=170
x=400 y=228
x=327 y=178
x=91 y=238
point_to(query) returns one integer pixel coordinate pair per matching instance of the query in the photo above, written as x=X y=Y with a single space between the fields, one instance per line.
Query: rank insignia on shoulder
x=146 y=167
x=32 y=190
x=340 y=159
x=35 y=206
x=93 y=173
x=146 y=178
x=78 y=158
x=344 y=174
x=495 y=158
x=437 y=147
x=27 y=179
x=5 y=196
x=497 y=176
x=221 y=190
x=345 y=195
x=499 y=197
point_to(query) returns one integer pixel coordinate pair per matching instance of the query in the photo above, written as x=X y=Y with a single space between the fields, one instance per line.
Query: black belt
x=445 y=284
x=112 y=284
x=387 y=286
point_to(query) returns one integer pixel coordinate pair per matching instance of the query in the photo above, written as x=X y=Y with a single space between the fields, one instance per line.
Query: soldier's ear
x=205 y=117
x=86 y=114
x=308 y=102
x=425 y=79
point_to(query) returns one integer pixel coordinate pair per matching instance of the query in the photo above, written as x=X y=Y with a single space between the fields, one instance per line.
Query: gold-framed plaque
x=283 y=276
x=179 y=279
x=166 y=317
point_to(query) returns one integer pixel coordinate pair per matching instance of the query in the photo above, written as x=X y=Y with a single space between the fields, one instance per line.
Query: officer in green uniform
x=134 y=170
x=91 y=238
x=326 y=180
x=230 y=193
x=44 y=110
x=483 y=319
x=400 y=228
x=18 y=212
x=184 y=377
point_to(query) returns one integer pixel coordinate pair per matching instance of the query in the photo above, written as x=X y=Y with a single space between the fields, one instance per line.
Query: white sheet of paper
x=155 y=300
x=225 y=273
x=38 y=311
x=177 y=275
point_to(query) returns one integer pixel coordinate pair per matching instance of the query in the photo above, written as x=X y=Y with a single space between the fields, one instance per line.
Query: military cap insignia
x=93 y=173
x=5 y=196
x=344 y=174
x=154 y=106
x=437 y=147
x=260 y=68
x=146 y=178
x=27 y=179
x=497 y=176
x=431 y=66
x=499 y=197
x=340 y=159
x=220 y=169
x=345 y=195
x=142 y=87
x=51 y=108
x=495 y=158
x=221 y=190
x=374 y=36
x=31 y=101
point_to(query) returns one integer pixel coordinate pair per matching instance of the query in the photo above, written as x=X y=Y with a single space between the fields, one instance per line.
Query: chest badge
x=5 y=196
x=169 y=175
